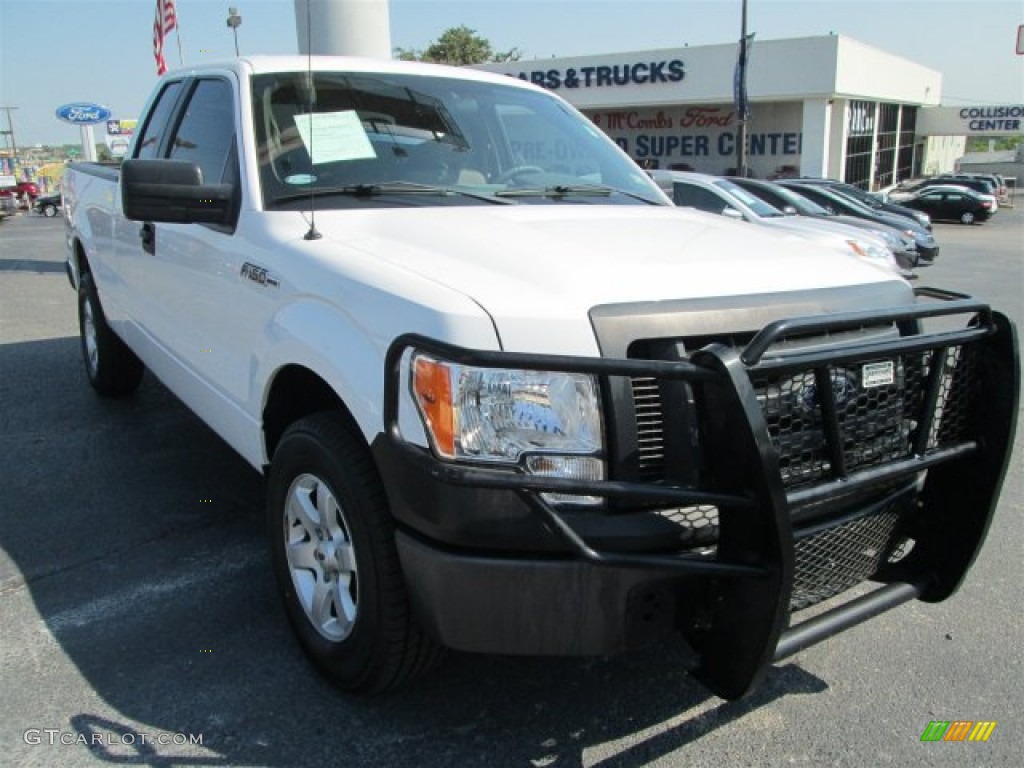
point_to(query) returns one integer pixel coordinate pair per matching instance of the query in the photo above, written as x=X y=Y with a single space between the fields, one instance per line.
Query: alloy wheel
x=321 y=559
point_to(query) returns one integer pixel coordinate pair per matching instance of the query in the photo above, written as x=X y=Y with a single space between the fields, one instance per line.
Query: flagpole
x=177 y=36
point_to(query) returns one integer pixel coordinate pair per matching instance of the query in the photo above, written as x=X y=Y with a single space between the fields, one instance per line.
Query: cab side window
x=149 y=141
x=206 y=133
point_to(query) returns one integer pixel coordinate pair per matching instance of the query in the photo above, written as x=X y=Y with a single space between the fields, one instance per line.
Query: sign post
x=85 y=115
x=88 y=143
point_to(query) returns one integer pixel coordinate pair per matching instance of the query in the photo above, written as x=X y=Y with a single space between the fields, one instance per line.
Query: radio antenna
x=312 y=234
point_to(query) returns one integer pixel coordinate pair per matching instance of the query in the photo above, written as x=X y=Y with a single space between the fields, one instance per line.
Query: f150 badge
x=258 y=275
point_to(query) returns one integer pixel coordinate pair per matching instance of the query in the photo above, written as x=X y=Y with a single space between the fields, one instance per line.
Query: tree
x=458 y=46
x=1002 y=143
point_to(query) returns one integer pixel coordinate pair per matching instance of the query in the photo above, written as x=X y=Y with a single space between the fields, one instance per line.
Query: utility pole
x=10 y=133
x=741 y=99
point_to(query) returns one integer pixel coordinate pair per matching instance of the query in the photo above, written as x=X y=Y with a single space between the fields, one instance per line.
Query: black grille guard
x=752 y=567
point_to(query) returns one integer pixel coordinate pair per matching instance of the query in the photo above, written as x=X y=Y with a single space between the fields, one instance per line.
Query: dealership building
x=818 y=106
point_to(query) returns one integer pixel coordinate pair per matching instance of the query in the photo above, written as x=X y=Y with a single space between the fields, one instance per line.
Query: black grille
x=840 y=557
x=878 y=410
x=959 y=388
x=650 y=428
x=698 y=525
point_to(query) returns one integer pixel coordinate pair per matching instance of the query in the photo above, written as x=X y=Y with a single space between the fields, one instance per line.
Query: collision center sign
x=1000 y=120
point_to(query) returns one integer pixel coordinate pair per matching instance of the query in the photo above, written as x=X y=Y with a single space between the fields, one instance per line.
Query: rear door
x=935 y=204
x=955 y=203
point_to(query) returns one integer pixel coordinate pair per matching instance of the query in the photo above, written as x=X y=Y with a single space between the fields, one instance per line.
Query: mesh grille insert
x=838 y=558
x=880 y=410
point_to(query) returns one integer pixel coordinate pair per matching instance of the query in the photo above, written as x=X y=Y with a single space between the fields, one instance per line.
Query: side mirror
x=732 y=213
x=172 y=192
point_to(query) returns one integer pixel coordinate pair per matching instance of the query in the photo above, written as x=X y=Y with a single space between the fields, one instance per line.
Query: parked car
x=997 y=181
x=902 y=245
x=47 y=205
x=982 y=186
x=927 y=248
x=8 y=206
x=21 y=195
x=952 y=203
x=873 y=201
x=528 y=408
x=716 y=194
x=956 y=182
x=999 y=188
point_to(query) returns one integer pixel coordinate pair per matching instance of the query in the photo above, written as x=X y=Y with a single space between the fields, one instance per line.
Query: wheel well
x=83 y=261
x=298 y=392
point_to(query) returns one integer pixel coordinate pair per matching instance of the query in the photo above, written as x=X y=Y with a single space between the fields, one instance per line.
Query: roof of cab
x=254 y=65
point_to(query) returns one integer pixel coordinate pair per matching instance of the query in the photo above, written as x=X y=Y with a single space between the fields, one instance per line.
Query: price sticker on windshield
x=331 y=137
x=880 y=374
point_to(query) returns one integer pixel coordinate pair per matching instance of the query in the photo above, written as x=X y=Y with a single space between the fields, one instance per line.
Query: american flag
x=166 y=20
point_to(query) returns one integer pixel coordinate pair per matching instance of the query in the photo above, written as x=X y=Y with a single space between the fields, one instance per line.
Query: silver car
x=715 y=194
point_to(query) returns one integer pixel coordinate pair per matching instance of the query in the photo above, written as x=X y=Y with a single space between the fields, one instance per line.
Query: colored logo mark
x=958 y=730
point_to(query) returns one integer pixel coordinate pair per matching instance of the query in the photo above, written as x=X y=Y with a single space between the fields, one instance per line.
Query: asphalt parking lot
x=139 y=617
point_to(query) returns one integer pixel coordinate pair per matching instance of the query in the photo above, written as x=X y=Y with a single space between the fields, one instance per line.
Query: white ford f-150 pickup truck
x=507 y=398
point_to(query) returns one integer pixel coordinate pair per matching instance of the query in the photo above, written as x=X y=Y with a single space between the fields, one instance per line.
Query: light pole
x=741 y=99
x=234 y=21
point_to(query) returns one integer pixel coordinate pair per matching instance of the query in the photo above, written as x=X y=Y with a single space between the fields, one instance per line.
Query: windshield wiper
x=571 y=190
x=385 y=188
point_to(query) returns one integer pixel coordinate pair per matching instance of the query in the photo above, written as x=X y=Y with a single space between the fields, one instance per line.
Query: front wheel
x=966 y=217
x=112 y=368
x=335 y=559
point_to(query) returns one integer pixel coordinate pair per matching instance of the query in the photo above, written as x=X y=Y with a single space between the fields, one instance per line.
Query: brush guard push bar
x=749 y=574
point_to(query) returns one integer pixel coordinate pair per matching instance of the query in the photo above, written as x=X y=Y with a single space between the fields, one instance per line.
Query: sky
x=54 y=52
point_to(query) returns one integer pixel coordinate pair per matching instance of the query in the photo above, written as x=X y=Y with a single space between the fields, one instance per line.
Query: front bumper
x=492 y=567
x=928 y=252
x=907 y=259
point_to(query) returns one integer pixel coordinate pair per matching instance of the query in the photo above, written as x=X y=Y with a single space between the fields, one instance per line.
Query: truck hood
x=537 y=266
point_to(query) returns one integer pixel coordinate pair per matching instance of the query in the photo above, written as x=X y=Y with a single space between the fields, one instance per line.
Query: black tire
x=112 y=368
x=336 y=562
x=49 y=210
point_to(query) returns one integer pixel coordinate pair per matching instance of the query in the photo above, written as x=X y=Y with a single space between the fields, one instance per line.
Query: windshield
x=803 y=205
x=756 y=204
x=864 y=198
x=840 y=202
x=357 y=139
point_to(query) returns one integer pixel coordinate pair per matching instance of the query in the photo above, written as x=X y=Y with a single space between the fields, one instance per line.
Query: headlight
x=891 y=240
x=545 y=423
x=873 y=252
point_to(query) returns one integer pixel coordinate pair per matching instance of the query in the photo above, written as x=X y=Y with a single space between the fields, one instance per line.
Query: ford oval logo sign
x=82 y=113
